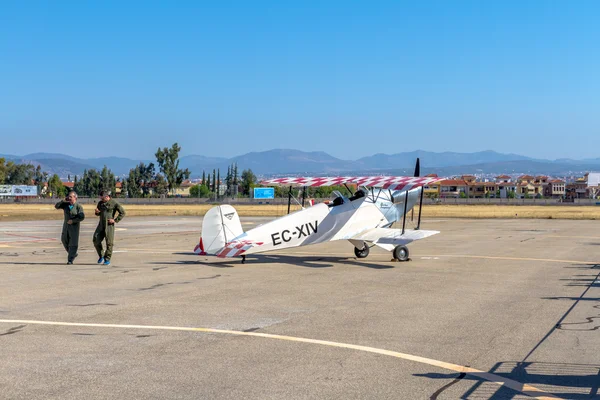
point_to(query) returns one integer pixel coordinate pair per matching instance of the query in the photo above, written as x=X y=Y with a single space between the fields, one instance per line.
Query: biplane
x=364 y=219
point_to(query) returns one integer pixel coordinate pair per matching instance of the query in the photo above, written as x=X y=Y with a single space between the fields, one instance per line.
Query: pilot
x=359 y=193
x=338 y=201
x=73 y=213
x=110 y=213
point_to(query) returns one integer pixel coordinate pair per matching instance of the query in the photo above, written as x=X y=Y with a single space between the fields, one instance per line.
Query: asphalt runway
x=488 y=309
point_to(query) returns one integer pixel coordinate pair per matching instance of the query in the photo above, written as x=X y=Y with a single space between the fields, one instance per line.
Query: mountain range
x=287 y=161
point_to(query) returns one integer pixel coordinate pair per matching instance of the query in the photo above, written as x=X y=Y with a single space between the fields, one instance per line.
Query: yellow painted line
x=575 y=237
x=349 y=255
x=511 y=258
x=512 y=384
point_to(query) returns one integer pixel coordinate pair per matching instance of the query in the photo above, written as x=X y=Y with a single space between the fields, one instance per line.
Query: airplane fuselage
x=322 y=222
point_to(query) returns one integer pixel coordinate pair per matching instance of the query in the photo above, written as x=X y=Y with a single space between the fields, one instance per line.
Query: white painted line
x=512 y=384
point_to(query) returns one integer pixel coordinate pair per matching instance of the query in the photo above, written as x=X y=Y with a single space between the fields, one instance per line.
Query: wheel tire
x=401 y=253
x=361 y=253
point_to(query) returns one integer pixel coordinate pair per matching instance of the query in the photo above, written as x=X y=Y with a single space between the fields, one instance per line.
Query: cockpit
x=339 y=199
x=359 y=194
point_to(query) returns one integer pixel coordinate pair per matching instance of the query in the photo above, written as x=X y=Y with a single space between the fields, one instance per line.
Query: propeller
x=417 y=169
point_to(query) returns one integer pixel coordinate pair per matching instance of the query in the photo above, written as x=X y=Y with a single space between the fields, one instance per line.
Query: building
x=453 y=188
x=529 y=186
x=503 y=179
x=555 y=189
x=184 y=189
x=593 y=185
x=506 y=188
x=579 y=189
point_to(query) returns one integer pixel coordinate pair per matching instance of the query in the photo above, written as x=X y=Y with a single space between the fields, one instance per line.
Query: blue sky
x=351 y=78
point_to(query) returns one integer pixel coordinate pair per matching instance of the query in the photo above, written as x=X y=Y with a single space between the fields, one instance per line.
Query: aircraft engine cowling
x=399 y=198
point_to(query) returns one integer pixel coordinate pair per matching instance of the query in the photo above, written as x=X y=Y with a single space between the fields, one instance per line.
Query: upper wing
x=385 y=182
x=389 y=238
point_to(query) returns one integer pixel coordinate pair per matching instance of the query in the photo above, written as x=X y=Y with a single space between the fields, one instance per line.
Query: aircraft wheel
x=401 y=253
x=361 y=253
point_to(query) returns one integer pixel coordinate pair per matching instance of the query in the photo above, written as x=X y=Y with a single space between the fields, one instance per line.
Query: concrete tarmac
x=487 y=309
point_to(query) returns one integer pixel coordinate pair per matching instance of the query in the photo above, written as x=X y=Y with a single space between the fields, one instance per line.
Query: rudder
x=220 y=226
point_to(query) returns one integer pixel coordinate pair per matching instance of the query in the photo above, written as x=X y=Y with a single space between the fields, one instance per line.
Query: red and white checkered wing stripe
x=386 y=182
x=237 y=248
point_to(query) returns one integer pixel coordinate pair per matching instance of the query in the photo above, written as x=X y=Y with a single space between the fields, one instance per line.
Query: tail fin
x=220 y=226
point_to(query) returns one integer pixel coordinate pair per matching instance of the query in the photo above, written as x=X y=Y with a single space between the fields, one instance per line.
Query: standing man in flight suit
x=106 y=210
x=70 y=232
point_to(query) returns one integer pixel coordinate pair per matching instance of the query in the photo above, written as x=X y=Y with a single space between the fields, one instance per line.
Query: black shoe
x=69 y=262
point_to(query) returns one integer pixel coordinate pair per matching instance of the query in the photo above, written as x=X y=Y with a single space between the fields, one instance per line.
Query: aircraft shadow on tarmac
x=301 y=261
x=567 y=381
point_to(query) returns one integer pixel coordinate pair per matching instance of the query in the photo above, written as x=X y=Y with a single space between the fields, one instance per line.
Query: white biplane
x=363 y=219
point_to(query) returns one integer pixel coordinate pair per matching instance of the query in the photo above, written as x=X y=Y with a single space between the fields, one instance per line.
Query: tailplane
x=220 y=226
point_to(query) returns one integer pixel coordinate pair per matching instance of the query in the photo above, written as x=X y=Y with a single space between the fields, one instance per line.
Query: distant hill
x=64 y=165
x=280 y=161
x=520 y=167
x=289 y=161
x=196 y=164
x=431 y=159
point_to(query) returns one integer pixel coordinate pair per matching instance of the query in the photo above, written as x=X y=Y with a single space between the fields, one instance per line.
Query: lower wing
x=388 y=239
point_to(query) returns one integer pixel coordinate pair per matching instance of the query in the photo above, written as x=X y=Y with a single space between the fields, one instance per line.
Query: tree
x=462 y=195
x=139 y=179
x=199 y=191
x=56 y=187
x=168 y=160
x=218 y=189
x=162 y=186
x=92 y=182
x=228 y=181
x=3 y=170
x=248 y=181
x=125 y=189
x=107 y=180
x=214 y=181
x=203 y=182
x=19 y=174
x=40 y=177
x=16 y=174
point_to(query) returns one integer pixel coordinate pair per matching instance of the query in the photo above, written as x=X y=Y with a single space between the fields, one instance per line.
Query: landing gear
x=361 y=253
x=243 y=258
x=401 y=253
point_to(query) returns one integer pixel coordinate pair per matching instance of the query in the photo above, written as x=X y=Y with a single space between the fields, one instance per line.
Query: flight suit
x=70 y=233
x=108 y=210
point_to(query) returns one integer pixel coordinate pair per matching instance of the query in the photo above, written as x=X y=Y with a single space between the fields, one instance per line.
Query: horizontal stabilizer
x=237 y=248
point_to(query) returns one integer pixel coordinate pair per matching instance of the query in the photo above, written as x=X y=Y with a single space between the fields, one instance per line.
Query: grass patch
x=30 y=212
